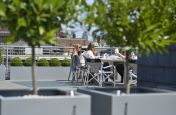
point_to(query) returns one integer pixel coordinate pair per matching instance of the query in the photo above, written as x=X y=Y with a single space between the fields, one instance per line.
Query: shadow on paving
x=60 y=84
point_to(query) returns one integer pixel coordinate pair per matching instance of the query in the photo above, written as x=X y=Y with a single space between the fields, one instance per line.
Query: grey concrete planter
x=50 y=102
x=142 y=101
x=2 y=72
x=42 y=73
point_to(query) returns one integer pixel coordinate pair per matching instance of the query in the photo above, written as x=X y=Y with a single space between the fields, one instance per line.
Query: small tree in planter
x=148 y=25
x=35 y=21
x=16 y=62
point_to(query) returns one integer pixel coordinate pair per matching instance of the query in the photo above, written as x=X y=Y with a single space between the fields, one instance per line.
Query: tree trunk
x=126 y=75
x=34 y=91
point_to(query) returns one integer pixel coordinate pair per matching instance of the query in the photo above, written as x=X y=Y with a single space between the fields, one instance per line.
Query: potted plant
x=36 y=22
x=147 y=25
x=133 y=24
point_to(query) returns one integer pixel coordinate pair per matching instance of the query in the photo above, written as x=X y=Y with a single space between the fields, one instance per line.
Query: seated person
x=90 y=53
x=120 y=67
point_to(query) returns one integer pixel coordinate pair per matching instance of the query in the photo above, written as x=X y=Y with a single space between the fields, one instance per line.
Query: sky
x=78 y=30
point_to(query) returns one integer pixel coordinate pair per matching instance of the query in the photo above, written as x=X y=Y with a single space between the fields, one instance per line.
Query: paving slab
x=10 y=85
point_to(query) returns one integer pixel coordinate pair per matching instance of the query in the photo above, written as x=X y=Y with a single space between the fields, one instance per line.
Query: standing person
x=75 y=61
x=90 y=53
x=120 y=67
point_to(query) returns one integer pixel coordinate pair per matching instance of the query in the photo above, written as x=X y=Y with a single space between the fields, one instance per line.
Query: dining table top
x=112 y=60
x=115 y=60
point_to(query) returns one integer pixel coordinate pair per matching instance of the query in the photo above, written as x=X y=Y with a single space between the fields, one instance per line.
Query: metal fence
x=11 y=51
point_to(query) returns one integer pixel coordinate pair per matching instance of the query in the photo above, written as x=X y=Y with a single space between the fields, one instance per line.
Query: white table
x=113 y=60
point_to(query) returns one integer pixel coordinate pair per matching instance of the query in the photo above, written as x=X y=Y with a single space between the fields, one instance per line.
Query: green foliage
x=43 y=62
x=35 y=21
x=0 y=56
x=66 y=62
x=148 y=25
x=28 y=62
x=16 y=62
x=54 y=62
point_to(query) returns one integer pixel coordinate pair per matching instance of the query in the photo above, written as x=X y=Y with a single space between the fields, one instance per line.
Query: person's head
x=76 y=48
x=91 y=47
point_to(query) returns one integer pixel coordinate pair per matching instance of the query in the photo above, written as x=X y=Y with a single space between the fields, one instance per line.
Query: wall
x=158 y=70
x=42 y=73
x=69 y=42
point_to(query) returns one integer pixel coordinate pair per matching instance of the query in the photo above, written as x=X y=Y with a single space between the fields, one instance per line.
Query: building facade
x=3 y=34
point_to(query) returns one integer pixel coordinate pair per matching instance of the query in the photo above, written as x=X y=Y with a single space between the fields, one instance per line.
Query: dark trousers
x=120 y=70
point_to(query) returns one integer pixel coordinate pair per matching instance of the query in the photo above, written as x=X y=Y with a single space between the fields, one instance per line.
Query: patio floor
x=63 y=85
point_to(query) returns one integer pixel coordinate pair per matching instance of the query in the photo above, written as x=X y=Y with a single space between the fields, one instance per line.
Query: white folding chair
x=93 y=72
x=109 y=74
x=133 y=73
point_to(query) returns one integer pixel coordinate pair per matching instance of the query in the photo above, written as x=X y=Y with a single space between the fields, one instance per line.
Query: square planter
x=141 y=101
x=42 y=73
x=48 y=102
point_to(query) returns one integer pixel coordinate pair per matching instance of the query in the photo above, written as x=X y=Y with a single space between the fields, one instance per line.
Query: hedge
x=66 y=62
x=54 y=62
x=16 y=62
x=28 y=62
x=43 y=62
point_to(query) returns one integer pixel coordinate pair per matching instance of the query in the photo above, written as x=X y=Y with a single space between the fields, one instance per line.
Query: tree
x=35 y=21
x=148 y=25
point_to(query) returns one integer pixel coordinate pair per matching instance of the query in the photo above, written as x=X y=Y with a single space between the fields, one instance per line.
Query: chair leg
x=78 y=74
x=74 y=76
x=69 y=75
x=82 y=76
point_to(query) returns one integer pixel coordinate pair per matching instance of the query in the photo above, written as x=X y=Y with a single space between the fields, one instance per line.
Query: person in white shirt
x=90 y=53
x=81 y=57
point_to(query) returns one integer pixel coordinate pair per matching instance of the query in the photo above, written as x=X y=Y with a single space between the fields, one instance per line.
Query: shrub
x=43 y=62
x=66 y=62
x=54 y=62
x=16 y=62
x=28 y=62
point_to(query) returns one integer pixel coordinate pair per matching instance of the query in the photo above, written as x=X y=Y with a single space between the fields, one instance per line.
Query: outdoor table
x=113 y=60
